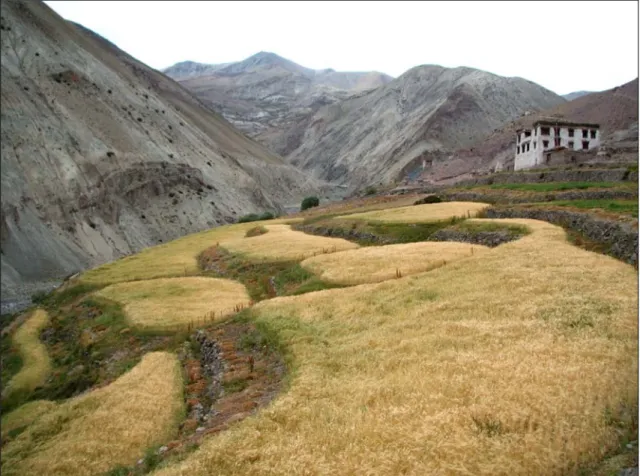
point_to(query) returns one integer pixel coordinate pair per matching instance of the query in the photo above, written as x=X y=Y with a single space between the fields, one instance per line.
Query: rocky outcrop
x=103 y=156
x=621 y=238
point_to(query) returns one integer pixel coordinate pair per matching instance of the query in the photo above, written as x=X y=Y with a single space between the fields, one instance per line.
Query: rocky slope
x=616 y=110
x=426 y=113
x=103 y=156
x=265 y=94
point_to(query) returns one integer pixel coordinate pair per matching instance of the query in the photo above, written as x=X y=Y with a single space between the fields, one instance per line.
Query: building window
x=518 y=150
x=545 y=143
x=570 y=132
x=544 y=131
x=527 y=133
x=518 y=138
x=570 y=144
x=585 y=134
x=585 y=145
x=556 y=131
x=593 y=134
x=556 y=142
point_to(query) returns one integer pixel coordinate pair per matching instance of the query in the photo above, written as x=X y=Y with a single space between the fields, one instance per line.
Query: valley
x=256 y=267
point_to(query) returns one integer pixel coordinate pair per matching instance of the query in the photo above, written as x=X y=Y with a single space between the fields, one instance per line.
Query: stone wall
x=507 y=198
x=573 y=175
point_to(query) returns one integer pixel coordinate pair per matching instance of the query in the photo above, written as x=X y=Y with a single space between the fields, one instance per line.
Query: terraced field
x=381 y=263
x=432 y=358
x=282 y=243
x=431 y=212
x=170 y=302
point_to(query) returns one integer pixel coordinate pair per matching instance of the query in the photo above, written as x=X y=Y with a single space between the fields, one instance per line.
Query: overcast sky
x=563 y=46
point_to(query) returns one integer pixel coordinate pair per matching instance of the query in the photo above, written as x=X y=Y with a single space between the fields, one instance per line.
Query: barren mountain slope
x=616 y=110
x=102 y=156
x=266 y=94
x=189 y=69
x=429 y=109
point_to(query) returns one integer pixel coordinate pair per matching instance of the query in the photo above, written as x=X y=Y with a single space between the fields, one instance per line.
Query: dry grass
x=36 y=363
x=110 y=426
x=176 y=258
x=516 y=362
x=422 y=213
x=363 y=204
x=379 y=263
x=167 y=303
x=282 y=243
x=25 y=415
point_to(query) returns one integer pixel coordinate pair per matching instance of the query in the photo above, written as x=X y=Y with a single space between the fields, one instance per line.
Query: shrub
x=256 y=231
x=309 y=202
x=428 y=199
x=267 y=216
x=38 y=297
x=370 y=190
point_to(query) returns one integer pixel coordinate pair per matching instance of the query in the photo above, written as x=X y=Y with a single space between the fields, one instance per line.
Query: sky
x=563 y=46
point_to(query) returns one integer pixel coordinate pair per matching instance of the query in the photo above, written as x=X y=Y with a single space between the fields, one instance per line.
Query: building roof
x=563 y=122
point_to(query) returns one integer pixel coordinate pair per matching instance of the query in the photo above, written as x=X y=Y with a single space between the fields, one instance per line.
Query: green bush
x=255 y=217
x=428 y=199
x=370 y=190
x=39 y=297
x=309 y=202
x=248 y=218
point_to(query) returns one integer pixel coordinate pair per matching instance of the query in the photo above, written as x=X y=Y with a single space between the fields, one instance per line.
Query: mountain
x=616 y=110
x=103 y=156
x=426 y=113
x=576 y=95
x=265 y=94
x=189 y=69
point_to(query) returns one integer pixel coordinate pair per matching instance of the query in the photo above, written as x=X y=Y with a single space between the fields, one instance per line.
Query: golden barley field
x=167 y=303
x=378 y=263
x=176 y=258
x=282 y=243
x=36 y=363
x=421 y=213
x=99 y=430
x=515 y=361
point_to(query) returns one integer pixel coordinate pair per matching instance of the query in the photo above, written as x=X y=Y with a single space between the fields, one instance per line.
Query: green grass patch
x=554 y=186
x=89 y=342
x=626 y=207
x=10 y=359
x=65 y=296
x=263 y=280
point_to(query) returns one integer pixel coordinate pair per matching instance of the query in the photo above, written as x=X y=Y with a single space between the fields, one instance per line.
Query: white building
x=534 y=146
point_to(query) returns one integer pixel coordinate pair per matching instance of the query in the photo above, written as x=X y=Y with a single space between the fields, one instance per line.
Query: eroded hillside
x=103 y=156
